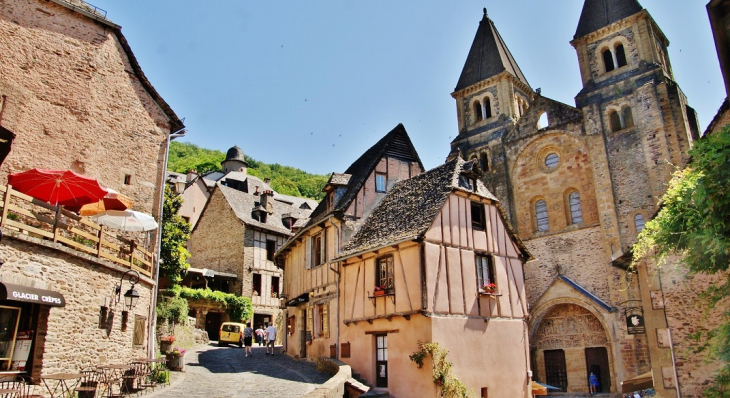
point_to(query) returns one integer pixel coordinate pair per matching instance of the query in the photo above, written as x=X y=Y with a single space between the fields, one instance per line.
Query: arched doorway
x=569 y=344
x=213 y=321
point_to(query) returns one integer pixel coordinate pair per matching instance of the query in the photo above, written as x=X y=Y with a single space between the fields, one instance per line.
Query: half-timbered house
x=436 y=261
x=310 y=275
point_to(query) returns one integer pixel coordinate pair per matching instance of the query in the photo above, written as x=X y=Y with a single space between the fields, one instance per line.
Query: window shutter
x=325 y=320
x=310 y=320
x=307 y=253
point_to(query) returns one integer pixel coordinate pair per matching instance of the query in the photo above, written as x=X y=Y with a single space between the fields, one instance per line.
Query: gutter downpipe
x=337 y=289
x=671 y=339
x=151 y=335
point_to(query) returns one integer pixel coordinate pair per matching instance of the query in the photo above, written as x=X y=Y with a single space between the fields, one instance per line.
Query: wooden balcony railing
x=30 y=216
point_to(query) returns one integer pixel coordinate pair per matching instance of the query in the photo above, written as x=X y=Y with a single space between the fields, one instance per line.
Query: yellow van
x=231 y=333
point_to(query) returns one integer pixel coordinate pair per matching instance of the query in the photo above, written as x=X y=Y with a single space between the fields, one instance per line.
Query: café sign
x=302 y=298
x=26 y=294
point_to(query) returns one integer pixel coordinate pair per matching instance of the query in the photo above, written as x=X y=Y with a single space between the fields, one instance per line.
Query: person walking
x=260 y=336
x=593 y=382
x=248 y=339
x=271 y=336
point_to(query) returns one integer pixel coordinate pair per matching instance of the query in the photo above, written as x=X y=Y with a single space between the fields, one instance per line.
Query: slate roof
x=599 y=13
x=410 y=207
x=488 y=57
x=339 y=179
x=236 y=153
x=243 y=203
x=395 y=144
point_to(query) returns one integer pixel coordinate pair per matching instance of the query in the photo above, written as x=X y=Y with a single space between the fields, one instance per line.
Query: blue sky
x=314 y=83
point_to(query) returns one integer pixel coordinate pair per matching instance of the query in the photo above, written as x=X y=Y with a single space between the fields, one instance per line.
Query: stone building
x=310 y=271
x=578 y=182
x=436 y=262
x=242 y=225
x=194 y=191
x=72 y=96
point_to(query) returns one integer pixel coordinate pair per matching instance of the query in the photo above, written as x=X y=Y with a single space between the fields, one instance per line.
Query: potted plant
x=274 y=295
x=379 y=290
x=490 y=288
x=176 y=359
x=166 y=343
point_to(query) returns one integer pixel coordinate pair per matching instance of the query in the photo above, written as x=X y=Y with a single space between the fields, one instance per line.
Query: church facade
x=578 y=182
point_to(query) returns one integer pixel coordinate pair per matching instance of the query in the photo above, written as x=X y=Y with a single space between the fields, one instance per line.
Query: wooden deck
x=39 y=219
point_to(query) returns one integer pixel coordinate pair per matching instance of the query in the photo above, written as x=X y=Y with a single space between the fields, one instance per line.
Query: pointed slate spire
x=599 y=13
x=487 y=57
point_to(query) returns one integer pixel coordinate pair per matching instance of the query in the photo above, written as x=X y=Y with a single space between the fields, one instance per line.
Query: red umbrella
x=58 y=187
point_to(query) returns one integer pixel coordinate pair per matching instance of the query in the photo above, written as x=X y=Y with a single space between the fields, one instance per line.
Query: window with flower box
x=384 y=274
x=486 y=282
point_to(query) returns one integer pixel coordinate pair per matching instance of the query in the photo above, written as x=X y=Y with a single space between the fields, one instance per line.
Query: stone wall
x=72 y=338
x=69 y=90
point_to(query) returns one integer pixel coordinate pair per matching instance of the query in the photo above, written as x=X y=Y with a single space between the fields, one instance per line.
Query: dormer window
x=466 y=182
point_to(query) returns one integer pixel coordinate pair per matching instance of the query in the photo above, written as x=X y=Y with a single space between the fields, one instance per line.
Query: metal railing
x=84 y=6
x=32 y=217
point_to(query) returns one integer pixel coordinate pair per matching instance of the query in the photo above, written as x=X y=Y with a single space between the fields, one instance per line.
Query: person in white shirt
x=271 y=336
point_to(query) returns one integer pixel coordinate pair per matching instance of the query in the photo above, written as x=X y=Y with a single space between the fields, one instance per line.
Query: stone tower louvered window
x=541 y=215
x=639 y=222
x=620 y=56
x=576 y=213
x=484 y=162
x=608 y=60
x=628 y=118
x=478 y=111
x=487 y=108
x=615 y=121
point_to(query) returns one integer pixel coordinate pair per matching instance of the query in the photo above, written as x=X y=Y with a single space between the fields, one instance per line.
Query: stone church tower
x=578 y=182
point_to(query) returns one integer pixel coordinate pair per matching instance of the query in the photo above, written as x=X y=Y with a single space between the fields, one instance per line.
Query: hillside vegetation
x=284 y=179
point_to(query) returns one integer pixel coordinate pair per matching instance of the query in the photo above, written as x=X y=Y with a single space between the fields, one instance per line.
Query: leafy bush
x=239 y=308
x=442 y=376
x=174 y=309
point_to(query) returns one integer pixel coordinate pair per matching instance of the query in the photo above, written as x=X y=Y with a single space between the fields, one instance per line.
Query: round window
x=551 y=160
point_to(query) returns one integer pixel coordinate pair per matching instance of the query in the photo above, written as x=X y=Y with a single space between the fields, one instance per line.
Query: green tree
x=175 y=235
x=694 y=222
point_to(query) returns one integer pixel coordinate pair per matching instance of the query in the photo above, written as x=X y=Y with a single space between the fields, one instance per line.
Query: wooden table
x=62 y=380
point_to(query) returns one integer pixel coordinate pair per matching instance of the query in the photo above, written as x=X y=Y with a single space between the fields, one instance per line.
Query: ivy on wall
x=239 y=308
x=444 y=379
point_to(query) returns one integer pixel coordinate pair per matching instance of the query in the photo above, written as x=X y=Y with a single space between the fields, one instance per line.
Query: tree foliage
x=284 y=179
x=694 y=222
x=175 y=234
x=239 y=308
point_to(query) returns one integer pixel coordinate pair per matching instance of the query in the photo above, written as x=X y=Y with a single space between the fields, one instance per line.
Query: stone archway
x=568 y=337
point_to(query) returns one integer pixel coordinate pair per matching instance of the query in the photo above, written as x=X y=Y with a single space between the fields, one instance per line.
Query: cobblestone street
x=213 y=372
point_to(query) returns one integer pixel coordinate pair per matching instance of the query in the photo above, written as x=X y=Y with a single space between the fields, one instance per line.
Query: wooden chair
x=28 y=387
x=13 y=389
x=89 y=384
x=130 y=378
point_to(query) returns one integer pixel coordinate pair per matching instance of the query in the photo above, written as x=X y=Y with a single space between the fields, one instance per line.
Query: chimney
x=267 y=181
x=256 y=193
x=266 y=200
x=192 y=173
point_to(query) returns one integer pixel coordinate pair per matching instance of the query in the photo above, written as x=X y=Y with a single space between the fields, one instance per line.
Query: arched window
x=608 y=60
x=639 y=222
x=615 y=121
x=487 y=108
x=544 y=121
x=628 y=118
x=620 y=56
x=541 y=215
x=478 y=111
x=576 y=213
x=484 y=161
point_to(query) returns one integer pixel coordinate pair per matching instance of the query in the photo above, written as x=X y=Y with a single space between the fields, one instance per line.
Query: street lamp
x=153 y=308
x=130 y=296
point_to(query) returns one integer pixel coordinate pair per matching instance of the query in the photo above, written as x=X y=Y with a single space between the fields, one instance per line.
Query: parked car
x=231 y=333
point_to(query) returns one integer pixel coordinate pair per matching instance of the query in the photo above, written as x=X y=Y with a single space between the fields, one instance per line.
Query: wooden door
x=213 y=324
x=381 y=360
x=555 y=371
x=597 y=363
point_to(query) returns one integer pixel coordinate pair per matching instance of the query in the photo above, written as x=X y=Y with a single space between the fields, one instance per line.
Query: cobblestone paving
x=213 y=372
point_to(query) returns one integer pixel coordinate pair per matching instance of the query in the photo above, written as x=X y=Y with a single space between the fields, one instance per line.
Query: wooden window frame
x=482 y=261
x=385 y=273
x=478 y=216
x=318 y=250
x=270 y=249
x=378 y=177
